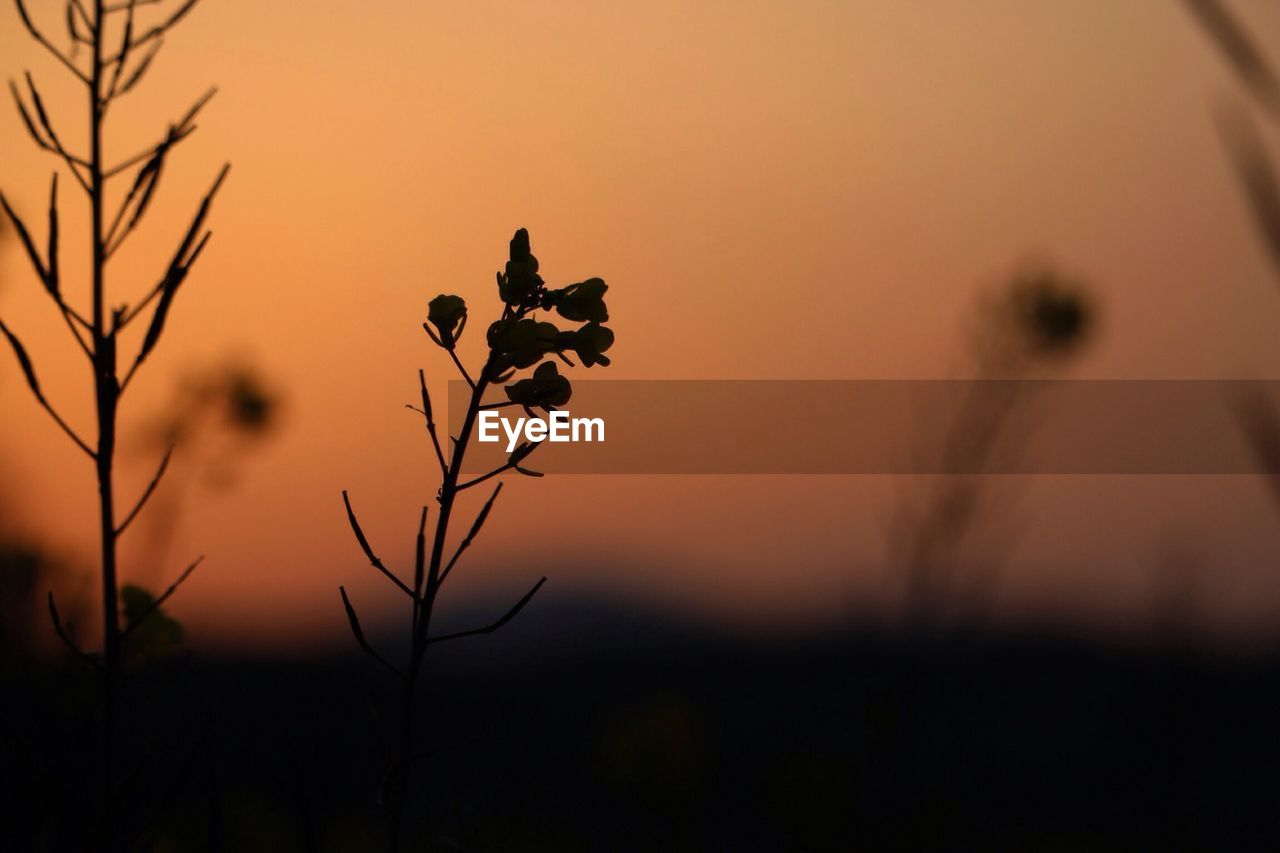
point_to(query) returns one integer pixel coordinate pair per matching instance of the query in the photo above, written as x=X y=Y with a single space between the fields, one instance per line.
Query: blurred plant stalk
x=109 y=53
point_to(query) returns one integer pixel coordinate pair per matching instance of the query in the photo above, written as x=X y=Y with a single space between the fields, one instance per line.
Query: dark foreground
x=598 y=730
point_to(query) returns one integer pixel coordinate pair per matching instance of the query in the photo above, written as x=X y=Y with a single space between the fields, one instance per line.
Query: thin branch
x=489 y=629
x=53 y=282
x=143 y=189
x=517 y=456
x=471 y=535
x=368 y=552
x=1256 y=175
x=419 y=553
x=167 y=290
x=148 y=179
x=146 y=494
x=467 y=376
x=28 y=370
x=419 y=572
x=165 y=596
x=184 y=128
x=155 y=32
x=145 y=155
x=478 y=480
x=426 y=413
x=84 y=14
x=48 y=45
x=128 y=314
x=73 y=32
x=354 y=621
x=70 y=317
x=120 y=7
x=1241 y=51
x=24 y=236
x=65 y=637
x=183 y=259
x=47 y=141
x=125 y=38
x=139 y=70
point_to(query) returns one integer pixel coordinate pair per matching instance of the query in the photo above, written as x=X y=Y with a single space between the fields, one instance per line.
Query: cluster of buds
x=519 y=341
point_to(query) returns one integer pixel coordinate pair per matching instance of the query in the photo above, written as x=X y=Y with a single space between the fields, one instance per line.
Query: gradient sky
x=803 y=189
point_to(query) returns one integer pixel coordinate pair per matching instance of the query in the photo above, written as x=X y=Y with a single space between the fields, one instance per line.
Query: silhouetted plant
x=516 y=341
x=1037 y=324
x=110 y=52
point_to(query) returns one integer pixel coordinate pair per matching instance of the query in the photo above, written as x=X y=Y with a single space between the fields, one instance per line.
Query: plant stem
x=422 y=613
x=106 y=396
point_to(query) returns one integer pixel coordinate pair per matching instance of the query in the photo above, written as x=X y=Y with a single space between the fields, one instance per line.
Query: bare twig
x=146 y=494
x=368 y=551
x=167 y=289
x=419 y=568
x=126 y=37
x=457 y=363
x=83 y=13
x=53 y=279
x=139 y=70
x=471 y=534
x=179 y=131
x=28 y=370
x=1241 y=51
x=155 y=32
x=164 y=596
x=354 y=621
x=65 y=637
x=48 y=45
x=427 y=414
x=520 y=454
x=490 y=628
x=120 y=7
x=48 y=139
x=24 y=236
x=1257 y=176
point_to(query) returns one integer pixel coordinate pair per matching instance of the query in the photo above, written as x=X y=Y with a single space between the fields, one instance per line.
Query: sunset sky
x=772 y=190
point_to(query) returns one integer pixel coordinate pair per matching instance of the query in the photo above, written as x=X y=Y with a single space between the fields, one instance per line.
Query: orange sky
x=804 y=189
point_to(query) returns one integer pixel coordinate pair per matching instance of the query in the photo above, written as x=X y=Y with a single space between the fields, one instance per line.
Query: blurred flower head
x=217 y=413
x=1040 y=318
